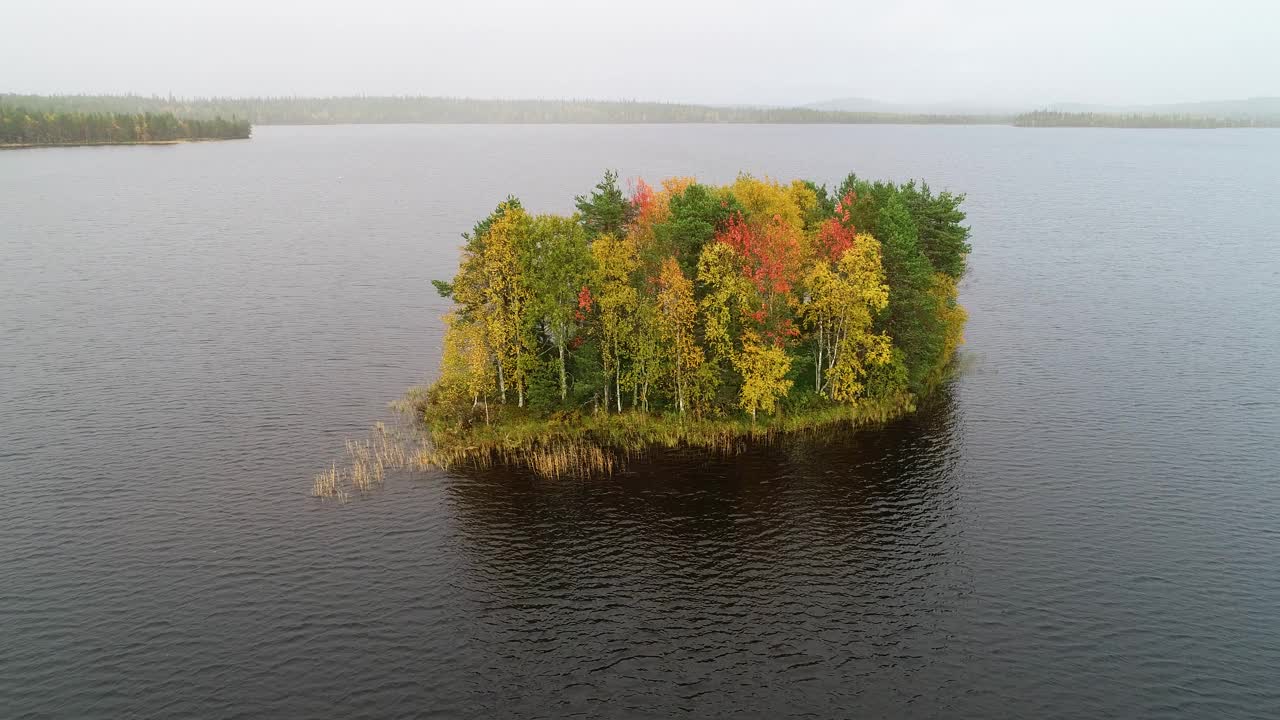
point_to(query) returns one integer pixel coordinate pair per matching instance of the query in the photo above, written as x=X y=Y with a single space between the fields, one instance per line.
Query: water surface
x=1082 y=524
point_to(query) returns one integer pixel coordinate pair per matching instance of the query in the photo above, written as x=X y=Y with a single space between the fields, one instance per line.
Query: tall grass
x=568 y=445
x=367 y=461
x=328 y=484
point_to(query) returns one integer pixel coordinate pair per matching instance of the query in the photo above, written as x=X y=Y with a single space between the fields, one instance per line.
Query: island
x=23 y=127
x=693 y=316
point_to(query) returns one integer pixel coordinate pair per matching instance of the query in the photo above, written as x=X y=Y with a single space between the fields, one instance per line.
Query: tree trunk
x=564 y=383
x=502 y=383
x=680 y=375
x=817 y=363
x=520 y=382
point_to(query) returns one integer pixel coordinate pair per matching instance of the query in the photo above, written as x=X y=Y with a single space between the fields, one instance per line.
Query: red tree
x=643 y=200
x=770 y=255
x=836 y=235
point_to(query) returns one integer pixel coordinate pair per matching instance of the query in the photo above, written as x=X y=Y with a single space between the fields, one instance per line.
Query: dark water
x=1085 y=524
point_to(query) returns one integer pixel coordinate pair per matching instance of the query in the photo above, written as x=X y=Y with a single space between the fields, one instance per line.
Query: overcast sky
x=714 y=51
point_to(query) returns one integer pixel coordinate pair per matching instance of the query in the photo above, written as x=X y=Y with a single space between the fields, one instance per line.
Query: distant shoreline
x=26 y=146
x=1140 y=121
x=127 y=119
x=42 y=126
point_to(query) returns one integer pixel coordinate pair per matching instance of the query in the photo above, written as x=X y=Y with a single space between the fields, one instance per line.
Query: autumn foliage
x=749 y=299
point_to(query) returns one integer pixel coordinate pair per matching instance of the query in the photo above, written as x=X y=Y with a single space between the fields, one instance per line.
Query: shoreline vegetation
x=451 y=110
x=682 y=316
x=22 y=127
x=21 y=146
x=1047 y=119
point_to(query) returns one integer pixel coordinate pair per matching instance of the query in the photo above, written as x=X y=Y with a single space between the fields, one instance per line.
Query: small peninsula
x=22 y=127
x=691 y=315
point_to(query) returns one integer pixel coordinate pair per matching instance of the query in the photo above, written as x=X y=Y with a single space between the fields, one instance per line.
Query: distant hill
x=861 y=104
x=853 y=104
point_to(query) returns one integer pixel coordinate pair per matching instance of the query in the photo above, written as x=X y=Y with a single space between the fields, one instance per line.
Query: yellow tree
x=470 y=289
x=943 y=293
x=507 y=298
x=645 y=352
x=840 y=306
x=466 y=369
x=677 y=317
x=764 y=369
x=768 y=201
x=726 y=299
x=804 y=196
x=615 y=262
x=730 y=316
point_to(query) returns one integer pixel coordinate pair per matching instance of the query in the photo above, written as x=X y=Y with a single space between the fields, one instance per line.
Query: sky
x=778 y=52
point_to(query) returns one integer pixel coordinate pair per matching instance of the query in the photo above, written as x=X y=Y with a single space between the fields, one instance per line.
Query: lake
x=1085 y=523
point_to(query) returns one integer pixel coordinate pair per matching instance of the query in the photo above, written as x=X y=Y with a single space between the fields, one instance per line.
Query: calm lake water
x=1086 y=523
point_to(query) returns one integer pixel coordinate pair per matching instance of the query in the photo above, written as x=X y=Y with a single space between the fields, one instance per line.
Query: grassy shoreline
x=599 y=443
x=572 y=445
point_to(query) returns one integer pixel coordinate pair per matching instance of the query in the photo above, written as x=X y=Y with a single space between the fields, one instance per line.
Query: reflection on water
x=812 y=560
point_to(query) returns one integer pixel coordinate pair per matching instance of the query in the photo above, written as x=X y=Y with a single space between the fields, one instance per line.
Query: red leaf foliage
x=585 y=302
x=643 y=200
x=769 y=253
x=837 y=234
x=845 y=206
x=834 y=238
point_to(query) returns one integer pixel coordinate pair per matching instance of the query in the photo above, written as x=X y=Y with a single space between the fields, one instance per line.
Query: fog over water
x=985 y=54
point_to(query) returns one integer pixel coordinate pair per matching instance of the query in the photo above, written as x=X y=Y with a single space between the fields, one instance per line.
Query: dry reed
x=368 y=461
x=573 y=447
x=328 y=484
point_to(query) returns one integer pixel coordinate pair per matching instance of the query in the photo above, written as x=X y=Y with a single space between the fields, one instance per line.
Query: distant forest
x=360 y=110
x=1048 y=118
x=22 y=126
x=203 y=117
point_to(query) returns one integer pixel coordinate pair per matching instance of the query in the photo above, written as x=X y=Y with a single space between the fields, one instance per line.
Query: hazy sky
x=716 y=51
